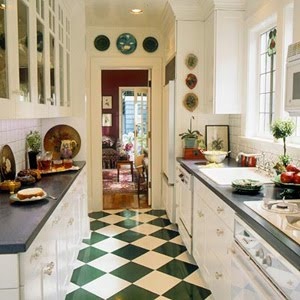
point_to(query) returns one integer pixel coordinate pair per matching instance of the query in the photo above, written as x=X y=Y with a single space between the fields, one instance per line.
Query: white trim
x=97 y=64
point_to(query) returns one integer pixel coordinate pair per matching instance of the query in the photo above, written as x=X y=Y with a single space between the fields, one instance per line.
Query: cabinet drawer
x=9 y=278
x=10 y=294
x=219 y=207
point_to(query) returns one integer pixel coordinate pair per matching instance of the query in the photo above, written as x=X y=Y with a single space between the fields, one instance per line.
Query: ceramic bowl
x=215 y=156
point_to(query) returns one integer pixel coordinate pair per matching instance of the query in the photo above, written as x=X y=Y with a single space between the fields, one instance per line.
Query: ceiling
x=115 y=13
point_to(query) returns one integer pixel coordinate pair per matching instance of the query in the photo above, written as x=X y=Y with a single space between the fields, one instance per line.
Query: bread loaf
x=30 y=193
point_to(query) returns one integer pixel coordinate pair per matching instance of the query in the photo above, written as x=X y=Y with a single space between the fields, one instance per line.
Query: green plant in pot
x=191 y=136
x=281 y=129
x=34 y=142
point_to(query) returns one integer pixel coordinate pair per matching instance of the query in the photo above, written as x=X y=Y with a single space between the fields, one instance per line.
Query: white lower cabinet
x=213 y=240
x=44 y=270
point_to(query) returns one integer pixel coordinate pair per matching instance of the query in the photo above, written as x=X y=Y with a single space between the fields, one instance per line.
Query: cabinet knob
x=37 y=253
x=220 y=232
x=49 y=268
x=260 y=253
x=56 y=220
x=220 y=209
x=200 y=214
x=218 y=275
x=71 y=221
x=267 y=261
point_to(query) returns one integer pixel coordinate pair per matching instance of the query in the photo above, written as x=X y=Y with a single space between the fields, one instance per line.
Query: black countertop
x=276 y=238
x=21 y=222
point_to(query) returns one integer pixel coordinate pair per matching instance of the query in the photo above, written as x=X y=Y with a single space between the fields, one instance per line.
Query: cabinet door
x=199 y=237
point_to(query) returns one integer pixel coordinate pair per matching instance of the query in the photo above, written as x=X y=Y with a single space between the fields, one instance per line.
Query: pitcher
x=66 y=148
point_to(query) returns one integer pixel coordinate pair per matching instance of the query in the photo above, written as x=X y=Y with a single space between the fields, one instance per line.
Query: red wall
x=111 y=81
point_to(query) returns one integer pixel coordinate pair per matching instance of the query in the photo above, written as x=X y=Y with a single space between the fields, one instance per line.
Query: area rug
x=111 y=185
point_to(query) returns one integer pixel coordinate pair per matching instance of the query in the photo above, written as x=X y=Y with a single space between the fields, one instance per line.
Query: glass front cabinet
x=34 y=59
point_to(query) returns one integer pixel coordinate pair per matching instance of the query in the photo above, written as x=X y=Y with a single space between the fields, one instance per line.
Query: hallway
x=134 y=255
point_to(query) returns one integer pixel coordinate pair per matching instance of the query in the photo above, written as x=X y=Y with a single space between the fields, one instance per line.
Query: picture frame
x=106 y=120
x=107 y=102
x=217 y=137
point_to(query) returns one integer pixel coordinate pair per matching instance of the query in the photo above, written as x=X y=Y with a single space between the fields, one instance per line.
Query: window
x=267 y=80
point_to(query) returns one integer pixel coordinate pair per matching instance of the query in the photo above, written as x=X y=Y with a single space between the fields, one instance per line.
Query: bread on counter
x=30 y=193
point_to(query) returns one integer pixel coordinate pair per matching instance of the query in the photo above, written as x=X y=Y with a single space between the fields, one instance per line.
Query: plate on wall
x=56 y=134
x=190 y=101
x=150 y=44
x=101 y=42
x=126 y=43
x=7 y=163
x=191 y=81
x=191 y=61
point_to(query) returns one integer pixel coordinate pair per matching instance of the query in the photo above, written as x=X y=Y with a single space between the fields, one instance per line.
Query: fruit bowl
x=279 y=183
x=215 y=156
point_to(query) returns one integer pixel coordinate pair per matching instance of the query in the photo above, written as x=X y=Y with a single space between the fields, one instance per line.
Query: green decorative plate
x=150 y=44
x=247 y=186
x=126 y=43
x=190 y=101
x=101 y=42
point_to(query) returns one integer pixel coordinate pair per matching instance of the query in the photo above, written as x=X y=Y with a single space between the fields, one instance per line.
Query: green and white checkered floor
x=135 y=255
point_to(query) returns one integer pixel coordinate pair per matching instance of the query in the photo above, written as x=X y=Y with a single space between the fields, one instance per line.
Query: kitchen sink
x=225 y=176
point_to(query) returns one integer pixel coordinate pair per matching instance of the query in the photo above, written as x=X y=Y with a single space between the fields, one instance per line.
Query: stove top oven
x=273 y=277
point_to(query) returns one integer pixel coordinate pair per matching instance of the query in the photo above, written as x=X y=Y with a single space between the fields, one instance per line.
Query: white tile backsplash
x=13 y=133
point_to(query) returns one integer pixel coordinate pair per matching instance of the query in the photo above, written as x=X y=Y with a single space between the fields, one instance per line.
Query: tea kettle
x=66 y=148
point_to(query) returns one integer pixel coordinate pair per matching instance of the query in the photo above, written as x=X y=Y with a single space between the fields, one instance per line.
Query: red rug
x=111 y=185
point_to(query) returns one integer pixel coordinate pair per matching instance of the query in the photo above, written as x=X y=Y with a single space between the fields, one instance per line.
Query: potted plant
x=33 y=141
x=281 y=129
x=190 y=137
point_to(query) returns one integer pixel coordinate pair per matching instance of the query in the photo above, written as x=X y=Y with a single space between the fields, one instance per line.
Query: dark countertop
x=277 y=239
x=21 y=222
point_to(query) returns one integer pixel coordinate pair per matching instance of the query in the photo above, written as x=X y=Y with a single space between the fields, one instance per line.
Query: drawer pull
x=200 y=214
x=220 y=209
x=56 y=220
x=71 y=221
x=220 y=232
x=49 y=268
x=218 y=275
x=37 y=253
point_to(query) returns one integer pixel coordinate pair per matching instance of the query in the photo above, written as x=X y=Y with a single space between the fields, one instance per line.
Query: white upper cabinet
x=223 y=54
x=35 y=59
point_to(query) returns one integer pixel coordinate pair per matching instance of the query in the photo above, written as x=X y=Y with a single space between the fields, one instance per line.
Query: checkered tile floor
x=135 y=255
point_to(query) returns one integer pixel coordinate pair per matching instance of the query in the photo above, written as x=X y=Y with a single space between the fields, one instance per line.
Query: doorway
x=125 y=139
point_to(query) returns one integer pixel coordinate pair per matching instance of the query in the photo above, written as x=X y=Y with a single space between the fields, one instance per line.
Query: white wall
x=190 y=39
x=238 y=123
x=113 y=59
x=13 y=133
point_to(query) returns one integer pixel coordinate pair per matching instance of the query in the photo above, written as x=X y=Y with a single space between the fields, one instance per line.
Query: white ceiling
x=115 y=13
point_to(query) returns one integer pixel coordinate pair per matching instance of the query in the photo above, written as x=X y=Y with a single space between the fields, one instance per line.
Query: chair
x=142 y=175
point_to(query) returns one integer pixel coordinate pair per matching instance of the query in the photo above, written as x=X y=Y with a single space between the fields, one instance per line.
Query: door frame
x=94 y=138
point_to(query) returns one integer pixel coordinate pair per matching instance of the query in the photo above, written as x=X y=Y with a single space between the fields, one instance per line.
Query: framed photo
x=217 y=137
x=107 y=102
x=106 y=120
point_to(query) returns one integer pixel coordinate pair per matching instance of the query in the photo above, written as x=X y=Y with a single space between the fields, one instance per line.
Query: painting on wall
x=107 y=102
x=217 y=137
x=106 y=120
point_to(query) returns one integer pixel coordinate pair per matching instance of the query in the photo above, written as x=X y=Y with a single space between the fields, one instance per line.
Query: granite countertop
x=21 y=222
x=277 y=239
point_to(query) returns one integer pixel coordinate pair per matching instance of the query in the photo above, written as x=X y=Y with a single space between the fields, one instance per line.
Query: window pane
x=3 y=56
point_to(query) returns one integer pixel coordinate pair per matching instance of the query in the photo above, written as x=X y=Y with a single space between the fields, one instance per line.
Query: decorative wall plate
x=191 y=61
x=150 y=44
x=7 y=163
x=190 y=101
x=126 y=43
x=191 y=80
x=56 y=134
x=101 y=42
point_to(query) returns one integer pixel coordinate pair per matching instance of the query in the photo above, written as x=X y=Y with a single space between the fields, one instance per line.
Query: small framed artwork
x=107 y=102
x=106 y=120
x=217 y=137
